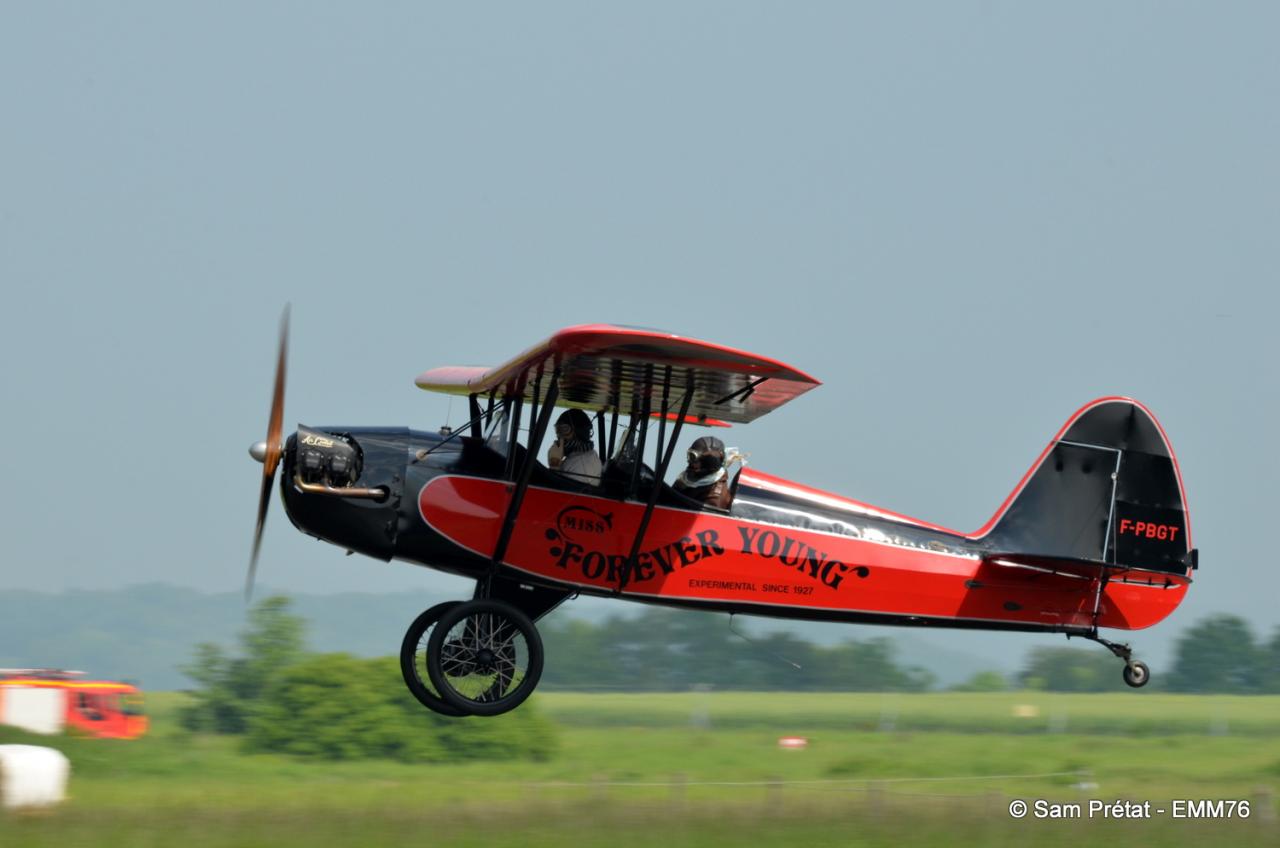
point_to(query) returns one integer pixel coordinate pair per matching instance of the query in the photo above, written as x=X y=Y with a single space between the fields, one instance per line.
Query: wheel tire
x=412 y=669
x=1136 y=674
x=479 y=628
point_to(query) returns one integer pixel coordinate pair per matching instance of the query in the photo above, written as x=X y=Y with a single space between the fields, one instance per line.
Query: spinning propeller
x=270 y=451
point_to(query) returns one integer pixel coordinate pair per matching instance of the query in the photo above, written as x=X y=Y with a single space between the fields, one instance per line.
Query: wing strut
x=526 y=468
x=601 y=447
x=516 y=411
x=472 y=427
x=476 y=415
x=741 y=394
x=660 y=473
x=666 y=400
x=645 y=409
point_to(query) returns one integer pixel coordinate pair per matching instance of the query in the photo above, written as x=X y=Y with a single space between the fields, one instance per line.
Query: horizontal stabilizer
x=1088 y=569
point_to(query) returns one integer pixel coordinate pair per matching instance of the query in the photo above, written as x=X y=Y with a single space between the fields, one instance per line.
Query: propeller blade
x=276 y=422
x=275 y=427
x=268 y=481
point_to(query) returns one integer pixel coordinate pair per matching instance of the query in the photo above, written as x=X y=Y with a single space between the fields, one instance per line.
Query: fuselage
x=782 y=550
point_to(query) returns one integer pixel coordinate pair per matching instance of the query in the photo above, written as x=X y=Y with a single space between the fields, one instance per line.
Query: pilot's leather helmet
x=706 y=456
x=577 y=423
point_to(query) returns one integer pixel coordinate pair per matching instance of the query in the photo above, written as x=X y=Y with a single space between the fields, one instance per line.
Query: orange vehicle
x=51 y=700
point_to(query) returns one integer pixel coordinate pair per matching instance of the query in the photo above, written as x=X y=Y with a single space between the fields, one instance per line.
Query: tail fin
x=1107 y=489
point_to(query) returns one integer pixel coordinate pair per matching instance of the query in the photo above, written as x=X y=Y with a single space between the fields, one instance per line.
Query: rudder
x=1107 y=489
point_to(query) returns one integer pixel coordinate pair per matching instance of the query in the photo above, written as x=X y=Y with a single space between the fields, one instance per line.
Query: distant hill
x=147 y=632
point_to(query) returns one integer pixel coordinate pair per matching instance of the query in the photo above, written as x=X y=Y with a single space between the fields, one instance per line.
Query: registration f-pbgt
x=1095 y=535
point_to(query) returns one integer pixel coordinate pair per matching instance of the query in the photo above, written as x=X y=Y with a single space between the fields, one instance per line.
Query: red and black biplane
x=1095 y=535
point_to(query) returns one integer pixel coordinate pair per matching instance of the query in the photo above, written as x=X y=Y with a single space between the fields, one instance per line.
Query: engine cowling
x=330 y=459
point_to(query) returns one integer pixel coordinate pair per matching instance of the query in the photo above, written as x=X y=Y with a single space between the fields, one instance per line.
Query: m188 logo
x=576 y=520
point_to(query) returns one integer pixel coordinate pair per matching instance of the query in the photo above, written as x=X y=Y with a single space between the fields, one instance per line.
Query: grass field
x=705 y=769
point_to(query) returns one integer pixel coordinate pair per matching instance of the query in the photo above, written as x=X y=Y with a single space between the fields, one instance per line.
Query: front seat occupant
x=573 y=453
x=705 y=478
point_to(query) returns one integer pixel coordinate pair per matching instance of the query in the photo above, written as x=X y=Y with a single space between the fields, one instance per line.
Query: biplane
x=1095 y=535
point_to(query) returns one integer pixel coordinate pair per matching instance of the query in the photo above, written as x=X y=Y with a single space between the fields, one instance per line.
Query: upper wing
x=609 y=367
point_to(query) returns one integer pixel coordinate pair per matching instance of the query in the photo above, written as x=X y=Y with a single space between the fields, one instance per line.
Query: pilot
x=573 y=453
x=705 y=479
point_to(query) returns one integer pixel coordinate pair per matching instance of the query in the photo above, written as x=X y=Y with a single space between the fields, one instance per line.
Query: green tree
x=338 y=707
x=1218 y=654
x=983 y=681
x=229 y=687
x=775 y=658
x=575 y=656
x=1270 y=677
x=1071 y=670
x=674 y=650
x=869 y=666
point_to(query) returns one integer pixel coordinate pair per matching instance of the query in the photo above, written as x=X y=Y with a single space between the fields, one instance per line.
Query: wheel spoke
x=505 y=675
x=457 y=668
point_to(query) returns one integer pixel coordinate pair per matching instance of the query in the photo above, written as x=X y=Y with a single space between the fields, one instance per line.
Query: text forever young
x=788 y=552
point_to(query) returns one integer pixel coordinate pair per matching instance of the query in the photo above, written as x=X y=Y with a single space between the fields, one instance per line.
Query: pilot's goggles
x=700 y=457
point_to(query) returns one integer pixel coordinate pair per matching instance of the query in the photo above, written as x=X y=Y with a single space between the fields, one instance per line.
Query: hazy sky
x=967 y=219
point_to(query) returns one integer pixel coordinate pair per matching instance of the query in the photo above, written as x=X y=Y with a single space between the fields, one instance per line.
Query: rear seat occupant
x=705 y=478
x=572 y=453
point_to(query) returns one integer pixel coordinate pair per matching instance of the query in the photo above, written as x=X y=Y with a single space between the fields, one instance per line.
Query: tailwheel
x=484 y=657
x=413 y=661
x=1136 y=674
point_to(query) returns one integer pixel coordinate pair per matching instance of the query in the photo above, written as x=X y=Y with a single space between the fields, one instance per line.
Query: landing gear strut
x=1136 y=673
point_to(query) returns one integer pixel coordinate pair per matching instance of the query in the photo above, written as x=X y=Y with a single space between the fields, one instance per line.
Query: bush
x=229 y=687
x=984 y=681
x=338 y=707
x=673 y=650
x=1071 y=670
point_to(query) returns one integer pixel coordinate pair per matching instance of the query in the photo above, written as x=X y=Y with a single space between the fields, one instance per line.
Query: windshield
x=496 y=435
x=131 y=704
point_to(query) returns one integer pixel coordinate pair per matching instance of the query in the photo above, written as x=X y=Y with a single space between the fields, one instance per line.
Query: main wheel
x=1136 y=674
x=484 y=657
x=413 y=661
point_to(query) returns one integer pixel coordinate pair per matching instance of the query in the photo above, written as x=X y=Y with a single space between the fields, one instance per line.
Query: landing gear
x=484 y=657
x=1136 y=673
x=413 y=661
